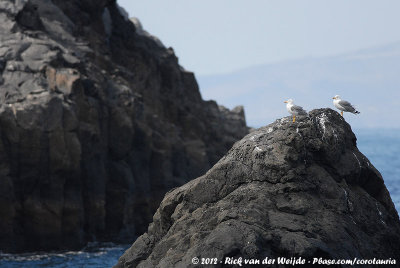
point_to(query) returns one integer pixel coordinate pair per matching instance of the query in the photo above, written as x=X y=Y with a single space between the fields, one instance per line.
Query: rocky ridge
x=285 y=190
x=97 y=122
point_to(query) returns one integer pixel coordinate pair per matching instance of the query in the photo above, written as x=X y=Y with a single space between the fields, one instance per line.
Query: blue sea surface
x=94 y=255
x=380 y=146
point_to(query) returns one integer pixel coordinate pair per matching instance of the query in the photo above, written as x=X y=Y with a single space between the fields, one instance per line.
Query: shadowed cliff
x=97 y=122
x=287 y=189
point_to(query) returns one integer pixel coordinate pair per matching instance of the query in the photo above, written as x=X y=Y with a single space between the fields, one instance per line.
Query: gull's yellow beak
x=334 y=98
x=285 y=101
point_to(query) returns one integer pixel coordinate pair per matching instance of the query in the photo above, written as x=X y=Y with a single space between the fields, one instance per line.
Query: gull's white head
x=289 y=101
x=337 y=97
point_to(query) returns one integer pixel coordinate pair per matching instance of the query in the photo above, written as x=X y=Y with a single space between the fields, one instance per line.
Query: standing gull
x=294 y=109
x=344 y=106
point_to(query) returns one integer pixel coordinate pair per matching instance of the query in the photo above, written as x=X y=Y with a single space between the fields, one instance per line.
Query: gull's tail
x=354 y=110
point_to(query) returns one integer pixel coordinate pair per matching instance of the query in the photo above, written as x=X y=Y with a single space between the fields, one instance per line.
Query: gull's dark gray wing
x=347 y=105
x=298 y=110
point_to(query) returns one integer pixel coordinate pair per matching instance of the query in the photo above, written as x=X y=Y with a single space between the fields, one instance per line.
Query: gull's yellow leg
x=341 y=113
x=294 y=118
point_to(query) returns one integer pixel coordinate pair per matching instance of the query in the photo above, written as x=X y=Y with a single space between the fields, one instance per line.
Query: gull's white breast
x=337 y=105
x=289 y=108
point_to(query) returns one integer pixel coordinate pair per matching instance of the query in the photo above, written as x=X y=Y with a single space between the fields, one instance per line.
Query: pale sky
x=220 y=36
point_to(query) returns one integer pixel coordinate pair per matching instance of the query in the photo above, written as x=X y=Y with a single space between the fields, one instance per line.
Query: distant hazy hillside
x=370 y=79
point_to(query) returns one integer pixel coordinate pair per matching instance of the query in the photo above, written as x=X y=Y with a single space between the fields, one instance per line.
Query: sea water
x=382 y=147
x=94 y=255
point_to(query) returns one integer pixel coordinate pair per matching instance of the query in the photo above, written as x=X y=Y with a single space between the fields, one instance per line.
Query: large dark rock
x=97 y=122
x=285 y=190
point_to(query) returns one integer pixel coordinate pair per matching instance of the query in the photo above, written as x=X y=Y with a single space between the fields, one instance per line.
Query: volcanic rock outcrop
x=97 y=122
x=285 y=190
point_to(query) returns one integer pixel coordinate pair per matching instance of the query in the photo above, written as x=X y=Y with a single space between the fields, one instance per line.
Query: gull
x=344 y=106
x=294 y=109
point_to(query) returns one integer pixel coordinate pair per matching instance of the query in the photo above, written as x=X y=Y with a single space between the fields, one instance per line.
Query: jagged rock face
x=97 y=122
x=287 y=189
